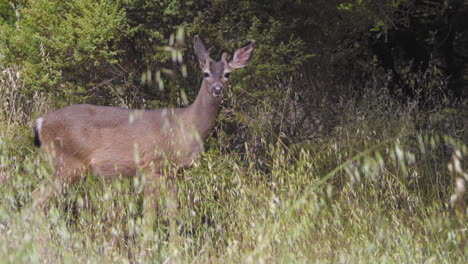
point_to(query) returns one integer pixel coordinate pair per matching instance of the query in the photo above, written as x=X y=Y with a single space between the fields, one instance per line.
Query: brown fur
x=114 y=141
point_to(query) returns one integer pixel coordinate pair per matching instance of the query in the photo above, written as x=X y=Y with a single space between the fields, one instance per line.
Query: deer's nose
x=217 y=89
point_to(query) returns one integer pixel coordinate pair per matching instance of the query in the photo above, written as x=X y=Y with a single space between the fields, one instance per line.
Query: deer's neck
x=203 y=111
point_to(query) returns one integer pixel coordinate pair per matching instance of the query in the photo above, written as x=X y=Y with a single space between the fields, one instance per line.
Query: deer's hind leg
x=66 y=171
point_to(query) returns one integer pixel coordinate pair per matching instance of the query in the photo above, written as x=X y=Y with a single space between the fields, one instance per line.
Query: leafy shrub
x=63 y=47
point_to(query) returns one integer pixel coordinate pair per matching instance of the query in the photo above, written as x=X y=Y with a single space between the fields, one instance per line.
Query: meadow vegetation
x=311 y=160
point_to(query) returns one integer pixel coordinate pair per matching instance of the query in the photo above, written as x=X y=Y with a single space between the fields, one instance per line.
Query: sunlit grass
x=387 y=202
x=376 y=190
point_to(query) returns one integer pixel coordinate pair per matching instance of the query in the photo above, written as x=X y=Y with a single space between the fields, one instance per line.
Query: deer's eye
x=206 y=75
x=226 y=75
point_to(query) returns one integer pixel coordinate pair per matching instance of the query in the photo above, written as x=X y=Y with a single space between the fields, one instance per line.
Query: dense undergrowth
x=343 y=141
x=386 y=185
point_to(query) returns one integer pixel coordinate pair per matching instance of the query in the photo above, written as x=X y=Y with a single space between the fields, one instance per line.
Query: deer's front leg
x=152 y=190
x=172 y=207
x=157 y=186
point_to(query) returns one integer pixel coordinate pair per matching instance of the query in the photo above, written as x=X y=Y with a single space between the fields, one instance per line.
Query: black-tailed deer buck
x=112 y=141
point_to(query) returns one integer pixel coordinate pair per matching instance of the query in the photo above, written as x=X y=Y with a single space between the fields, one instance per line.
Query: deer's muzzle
x=217 y=89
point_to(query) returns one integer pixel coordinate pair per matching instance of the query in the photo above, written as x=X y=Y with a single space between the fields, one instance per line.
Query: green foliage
x=59 y=45
x=335 y=144
x=7 y=13
x=76 y=47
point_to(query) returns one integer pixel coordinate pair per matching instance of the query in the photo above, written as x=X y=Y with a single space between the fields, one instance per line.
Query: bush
x=324 y=150
x=64 y=47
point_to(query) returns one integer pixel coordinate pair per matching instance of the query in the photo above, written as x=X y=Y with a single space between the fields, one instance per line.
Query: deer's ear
x=242 y=56
x=200 y=50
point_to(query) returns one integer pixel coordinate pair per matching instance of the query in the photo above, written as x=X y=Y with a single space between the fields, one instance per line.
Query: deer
x=112 y=142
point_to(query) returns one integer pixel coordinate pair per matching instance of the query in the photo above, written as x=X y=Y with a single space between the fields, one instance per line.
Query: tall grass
x=377 y=189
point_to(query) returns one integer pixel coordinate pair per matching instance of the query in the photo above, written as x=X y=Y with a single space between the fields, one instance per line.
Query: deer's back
x=107 y=138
